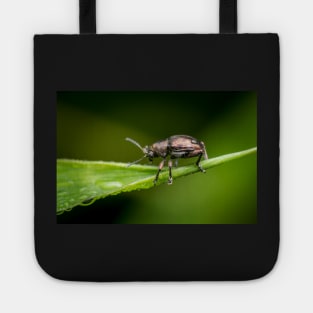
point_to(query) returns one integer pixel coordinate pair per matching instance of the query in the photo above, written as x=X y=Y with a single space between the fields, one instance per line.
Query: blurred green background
x=93 y=126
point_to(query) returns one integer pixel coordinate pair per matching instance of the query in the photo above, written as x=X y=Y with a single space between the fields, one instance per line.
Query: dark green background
x=93 y=126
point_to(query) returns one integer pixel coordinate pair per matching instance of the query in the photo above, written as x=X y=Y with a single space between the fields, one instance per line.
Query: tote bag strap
x=87 y=16
x=228 y=16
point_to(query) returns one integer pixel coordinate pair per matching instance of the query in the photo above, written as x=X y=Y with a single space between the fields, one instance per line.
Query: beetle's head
x=147 y=151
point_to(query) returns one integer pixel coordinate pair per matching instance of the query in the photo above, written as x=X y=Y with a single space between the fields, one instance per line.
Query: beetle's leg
x=170 y=178
x=159 y=170
x=205 y=155
x=198 y=164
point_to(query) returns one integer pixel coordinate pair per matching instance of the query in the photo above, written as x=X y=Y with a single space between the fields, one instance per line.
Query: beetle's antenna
x=139 y=146
x=132 y=163
x=134 y=142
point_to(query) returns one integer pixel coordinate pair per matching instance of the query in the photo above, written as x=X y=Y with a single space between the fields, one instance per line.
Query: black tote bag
x=202 y=100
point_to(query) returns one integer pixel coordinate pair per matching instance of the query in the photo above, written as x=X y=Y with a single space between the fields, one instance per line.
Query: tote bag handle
x=87 y=16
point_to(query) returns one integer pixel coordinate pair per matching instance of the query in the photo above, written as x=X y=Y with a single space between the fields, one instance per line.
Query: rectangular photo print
x=128 y=157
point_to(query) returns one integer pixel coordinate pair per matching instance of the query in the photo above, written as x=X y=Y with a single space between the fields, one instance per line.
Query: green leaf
x=83 y=182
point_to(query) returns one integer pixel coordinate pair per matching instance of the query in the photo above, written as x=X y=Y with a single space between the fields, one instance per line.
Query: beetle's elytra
x=177 y=146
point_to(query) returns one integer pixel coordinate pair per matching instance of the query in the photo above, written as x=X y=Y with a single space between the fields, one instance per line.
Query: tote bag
x=193 y=191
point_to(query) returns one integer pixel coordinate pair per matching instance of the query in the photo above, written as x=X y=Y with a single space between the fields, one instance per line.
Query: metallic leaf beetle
x=177 y=146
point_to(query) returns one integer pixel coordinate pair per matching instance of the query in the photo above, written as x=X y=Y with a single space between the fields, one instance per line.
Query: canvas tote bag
x=110 y=209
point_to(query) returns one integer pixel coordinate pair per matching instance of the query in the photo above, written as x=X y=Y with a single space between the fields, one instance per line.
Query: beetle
x=176 y=147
